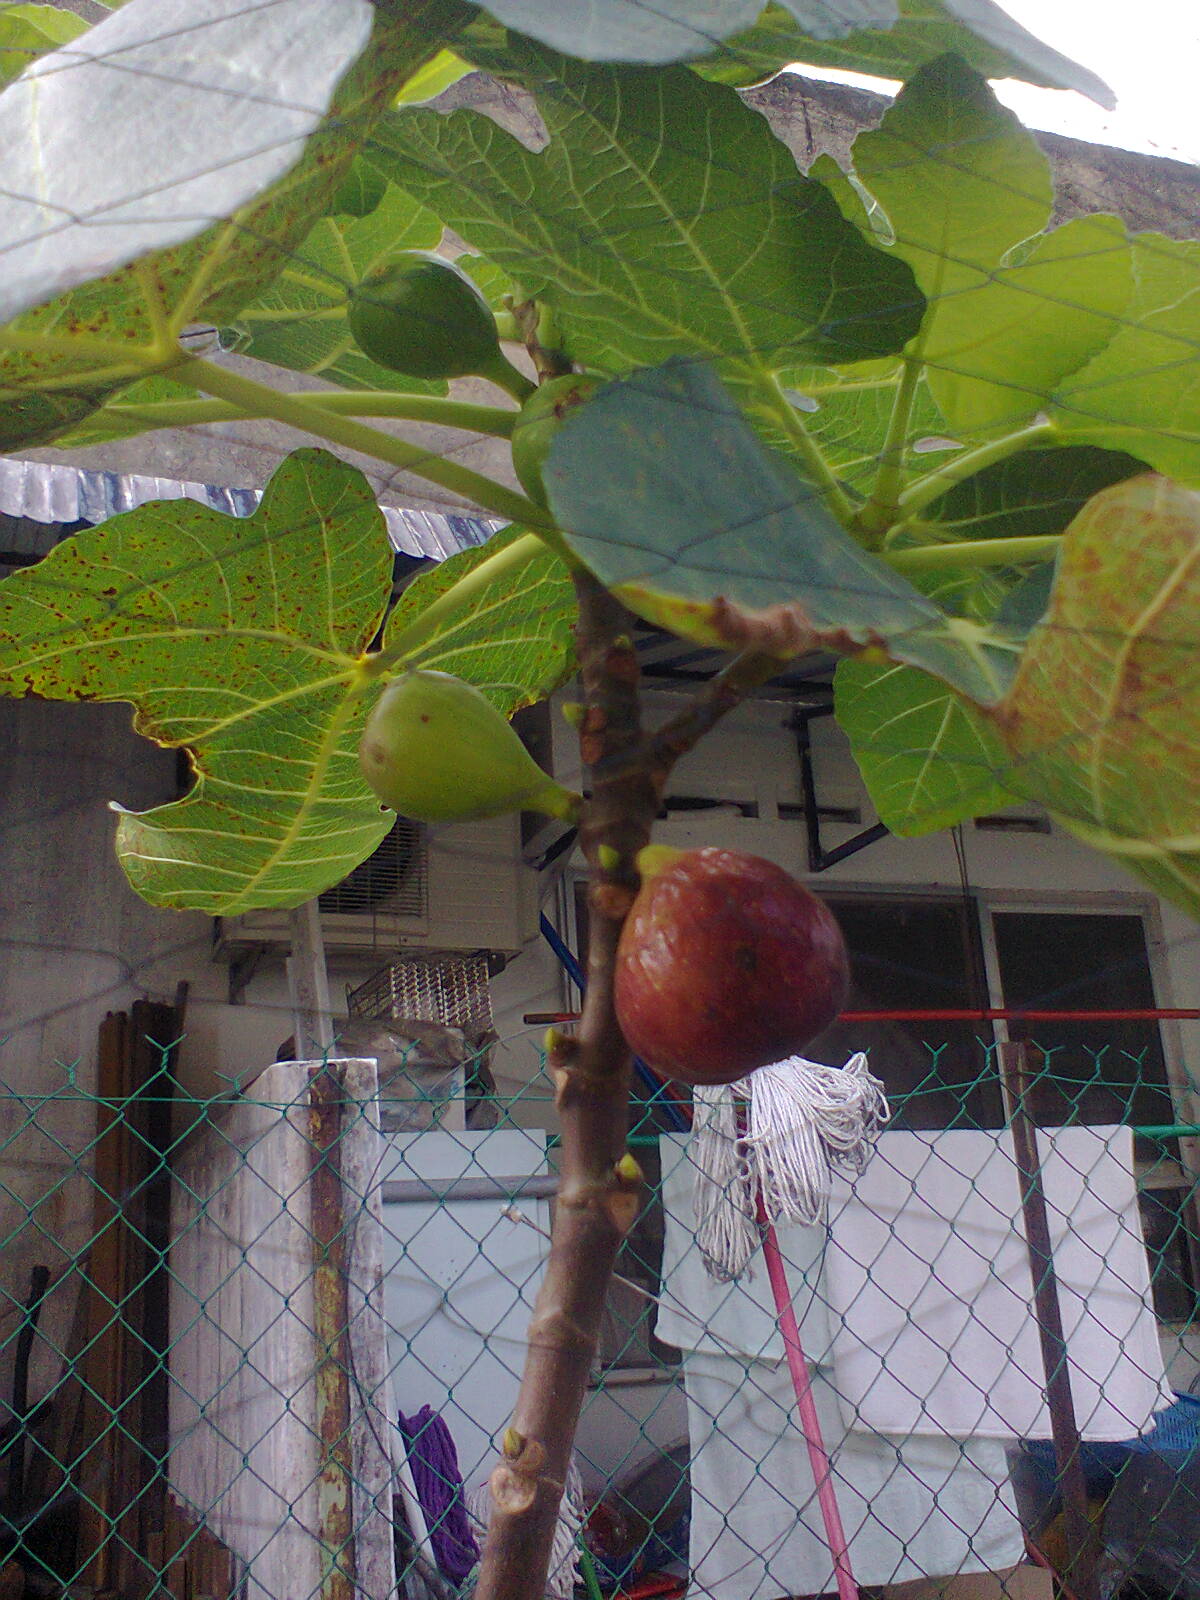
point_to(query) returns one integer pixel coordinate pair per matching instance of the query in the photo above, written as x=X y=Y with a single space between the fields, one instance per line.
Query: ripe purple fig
x=725 y=963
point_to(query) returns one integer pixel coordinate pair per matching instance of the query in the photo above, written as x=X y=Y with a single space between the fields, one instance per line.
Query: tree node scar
x=553 y=1329
x=611 y=900
x=514 y=1483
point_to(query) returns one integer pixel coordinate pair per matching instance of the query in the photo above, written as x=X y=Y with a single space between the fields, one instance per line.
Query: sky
x=1147 y=51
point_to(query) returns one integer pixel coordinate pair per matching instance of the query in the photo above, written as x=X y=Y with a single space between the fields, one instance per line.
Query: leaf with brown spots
x=1103 y=717
x=665 y=491
x=243 y=639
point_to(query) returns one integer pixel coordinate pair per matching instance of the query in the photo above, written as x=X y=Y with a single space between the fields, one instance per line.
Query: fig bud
x=435 y=749
x=541 y=417
x=725 y=963
x=422 y=316
x=360 y=191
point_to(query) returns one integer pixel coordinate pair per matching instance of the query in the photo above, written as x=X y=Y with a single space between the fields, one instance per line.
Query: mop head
x=564 y=1556
x=777 y=1134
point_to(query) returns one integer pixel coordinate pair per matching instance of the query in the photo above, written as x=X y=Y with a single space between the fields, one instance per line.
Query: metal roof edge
x=49 y=493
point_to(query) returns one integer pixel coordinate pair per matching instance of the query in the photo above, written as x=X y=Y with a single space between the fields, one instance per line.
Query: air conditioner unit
x=460 y=888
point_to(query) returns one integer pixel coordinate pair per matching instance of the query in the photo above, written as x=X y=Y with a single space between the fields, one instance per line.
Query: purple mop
x=434 y=1463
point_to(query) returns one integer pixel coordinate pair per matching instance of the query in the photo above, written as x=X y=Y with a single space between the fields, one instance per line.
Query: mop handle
x=810 y=1423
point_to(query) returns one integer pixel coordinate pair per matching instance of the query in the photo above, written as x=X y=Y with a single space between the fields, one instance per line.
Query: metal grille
x=393 y=878
x=444 y=986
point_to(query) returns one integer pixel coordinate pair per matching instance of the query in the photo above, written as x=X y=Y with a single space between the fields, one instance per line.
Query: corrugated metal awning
x=35 y=492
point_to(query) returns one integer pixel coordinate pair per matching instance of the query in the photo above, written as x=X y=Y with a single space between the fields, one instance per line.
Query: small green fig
x=422 y=316
x=541 y=417
x=437 y=750
x=359 y=192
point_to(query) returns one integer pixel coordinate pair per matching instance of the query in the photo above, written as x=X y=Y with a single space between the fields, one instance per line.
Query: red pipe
x=968 y=1014
x=1019 y=1014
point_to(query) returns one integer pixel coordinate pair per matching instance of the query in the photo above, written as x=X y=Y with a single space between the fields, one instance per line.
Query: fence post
x=1080 y=1575
x=331 y=1318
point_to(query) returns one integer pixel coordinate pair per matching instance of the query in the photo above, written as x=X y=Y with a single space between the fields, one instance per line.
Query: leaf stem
x=781 y=410
x=974 y=553
x=924 y=490
x=260 y=400
x=880 y=510
x=491 y=420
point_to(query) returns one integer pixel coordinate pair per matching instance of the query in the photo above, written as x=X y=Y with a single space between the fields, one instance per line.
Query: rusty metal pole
x=331 y=1316
x=1079 y=1579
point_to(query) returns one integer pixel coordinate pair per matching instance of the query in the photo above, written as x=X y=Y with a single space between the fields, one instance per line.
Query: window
x=1085 y=961
x=918 y=954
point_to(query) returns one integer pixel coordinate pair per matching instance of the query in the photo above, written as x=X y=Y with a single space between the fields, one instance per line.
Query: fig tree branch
x=880 y=510
x=922 y=491
x=600 y=1184
x=712 y=701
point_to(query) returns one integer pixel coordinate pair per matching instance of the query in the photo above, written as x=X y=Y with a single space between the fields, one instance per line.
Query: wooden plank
x=372 y=1427
x=100 y=1361
x=154 y=1028
x=245 y=1453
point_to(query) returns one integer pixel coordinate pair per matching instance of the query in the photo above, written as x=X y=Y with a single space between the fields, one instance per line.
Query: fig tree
x=435 y=749
x=725 y=963
x=541 y=417
x=422 y=316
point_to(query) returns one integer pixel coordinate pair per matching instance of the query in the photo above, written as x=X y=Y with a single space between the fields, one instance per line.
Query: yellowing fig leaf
x=1103 y=716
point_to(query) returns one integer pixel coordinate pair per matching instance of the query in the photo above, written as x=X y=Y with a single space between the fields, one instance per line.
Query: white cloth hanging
x=699 y=1312
x=911 y=1509
x=930 y=1294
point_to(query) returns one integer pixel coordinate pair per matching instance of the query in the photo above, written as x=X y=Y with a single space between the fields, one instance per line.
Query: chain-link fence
x=265 y=1345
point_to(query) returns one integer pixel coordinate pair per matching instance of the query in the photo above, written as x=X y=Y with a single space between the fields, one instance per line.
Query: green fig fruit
x=541 y=417
x=359 y=192
x=437 y=750
x=422 y=316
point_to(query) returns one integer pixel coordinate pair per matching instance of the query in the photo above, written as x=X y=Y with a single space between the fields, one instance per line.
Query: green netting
x=242 y=1335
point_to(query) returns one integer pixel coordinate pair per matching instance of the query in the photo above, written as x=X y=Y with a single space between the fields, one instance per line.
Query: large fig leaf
x=490 y=641
x=1034 y=493
x=240 y=88
x=29 y=31
x=243 y=640
x=929 y=759
x=663 y=218
x=876 y=36
x=963 y=184
x=977 y=30
x=667 y=494
x=197 y=121
x=671 y=30
x=1102 y=719
x=995 y=354
x=300 y=321
x=1142 y=391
